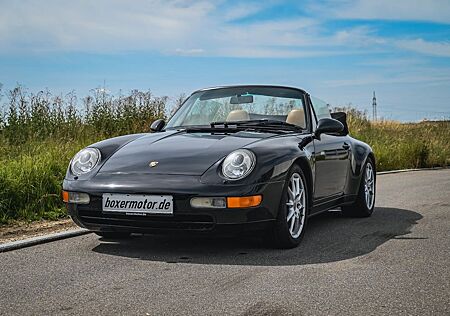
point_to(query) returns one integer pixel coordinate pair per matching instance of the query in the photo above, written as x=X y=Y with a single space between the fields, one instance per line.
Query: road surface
x=396 y=262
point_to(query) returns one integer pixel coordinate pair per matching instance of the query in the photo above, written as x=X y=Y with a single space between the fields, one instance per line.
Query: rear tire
x=365 y=200
x=113 y=235
x=292 y=213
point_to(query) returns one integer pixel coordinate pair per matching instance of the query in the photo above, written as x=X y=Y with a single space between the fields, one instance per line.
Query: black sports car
x=242 y=157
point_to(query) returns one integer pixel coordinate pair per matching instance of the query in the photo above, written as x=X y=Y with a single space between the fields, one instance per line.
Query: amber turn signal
x=244 y=201
x=75 y=197
x=65 y=196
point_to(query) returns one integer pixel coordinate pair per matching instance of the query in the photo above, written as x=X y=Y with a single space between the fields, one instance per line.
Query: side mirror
x=341 y=117
x=157 y=125
x=328 y=126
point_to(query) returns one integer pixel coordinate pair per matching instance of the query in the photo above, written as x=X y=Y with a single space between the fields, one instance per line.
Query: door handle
x=346 y=146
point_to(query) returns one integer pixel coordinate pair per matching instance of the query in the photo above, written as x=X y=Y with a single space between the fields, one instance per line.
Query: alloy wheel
x=369 y=186
x=296 y=205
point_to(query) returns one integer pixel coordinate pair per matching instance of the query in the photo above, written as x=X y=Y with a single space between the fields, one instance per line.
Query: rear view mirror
x=157 y=125
x=241 y=99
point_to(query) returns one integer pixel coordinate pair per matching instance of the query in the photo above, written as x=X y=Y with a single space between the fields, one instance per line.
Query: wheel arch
x=304 y=164
x=354 y=181
x=371 y=155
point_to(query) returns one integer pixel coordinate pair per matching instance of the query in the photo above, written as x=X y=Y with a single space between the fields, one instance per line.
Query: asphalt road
x=396 y=262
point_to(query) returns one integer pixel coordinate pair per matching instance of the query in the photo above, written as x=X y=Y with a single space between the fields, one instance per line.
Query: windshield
x=237 y=104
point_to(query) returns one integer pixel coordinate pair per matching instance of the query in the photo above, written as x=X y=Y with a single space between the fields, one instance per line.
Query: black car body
x=185 y=161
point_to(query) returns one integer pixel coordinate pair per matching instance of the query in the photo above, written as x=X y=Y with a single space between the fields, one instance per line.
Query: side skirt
x=330 y=203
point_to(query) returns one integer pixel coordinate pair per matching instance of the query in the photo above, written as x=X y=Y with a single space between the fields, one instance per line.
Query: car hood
x=176 y=152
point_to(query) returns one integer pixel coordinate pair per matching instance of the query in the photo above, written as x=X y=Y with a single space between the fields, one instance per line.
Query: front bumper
x=184 y=218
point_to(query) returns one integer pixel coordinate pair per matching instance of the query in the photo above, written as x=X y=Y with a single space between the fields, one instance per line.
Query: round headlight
x=85 y=160
x=238 y=164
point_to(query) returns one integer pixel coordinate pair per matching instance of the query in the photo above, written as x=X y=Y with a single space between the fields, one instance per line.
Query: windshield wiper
x=272 y=126
x=262 y=124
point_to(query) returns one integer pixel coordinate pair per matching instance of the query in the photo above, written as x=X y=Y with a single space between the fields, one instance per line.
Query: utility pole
x=374 y=106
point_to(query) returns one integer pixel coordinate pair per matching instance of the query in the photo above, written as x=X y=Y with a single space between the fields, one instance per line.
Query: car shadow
x=329 y=237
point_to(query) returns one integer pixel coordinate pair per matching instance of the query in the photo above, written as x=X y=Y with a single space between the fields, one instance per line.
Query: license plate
x=137 y=204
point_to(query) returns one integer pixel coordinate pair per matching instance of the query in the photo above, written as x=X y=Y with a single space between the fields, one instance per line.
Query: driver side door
x=331 y=157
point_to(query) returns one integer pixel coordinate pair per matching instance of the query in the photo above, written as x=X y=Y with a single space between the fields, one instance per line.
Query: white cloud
x=441 y=49
x=100 y=25
x=190 y=51
x=379 y=80
x=195 y=27
x=419 y=75
x=200 y=28
x=242 y=10
x=412 y=10
x=394 y=62
x=361 y=36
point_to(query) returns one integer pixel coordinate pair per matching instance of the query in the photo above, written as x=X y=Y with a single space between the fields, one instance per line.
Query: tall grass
x=402 y=145
x=40 y=132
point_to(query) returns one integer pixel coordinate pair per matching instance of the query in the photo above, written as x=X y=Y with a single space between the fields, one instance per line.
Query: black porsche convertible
x=231 y=158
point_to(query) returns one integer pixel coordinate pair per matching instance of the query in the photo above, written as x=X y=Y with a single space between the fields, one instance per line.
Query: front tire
x=292 y=214
x=365 y=200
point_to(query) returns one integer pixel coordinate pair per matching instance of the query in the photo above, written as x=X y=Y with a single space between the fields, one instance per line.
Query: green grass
x=39 y=134
x=403 y=145
x=30 y=181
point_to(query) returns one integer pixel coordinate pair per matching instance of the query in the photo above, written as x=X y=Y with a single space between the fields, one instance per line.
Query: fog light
x=75 y=197
x=208 y=202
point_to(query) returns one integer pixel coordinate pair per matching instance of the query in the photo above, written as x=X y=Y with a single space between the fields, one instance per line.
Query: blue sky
x=339 y=51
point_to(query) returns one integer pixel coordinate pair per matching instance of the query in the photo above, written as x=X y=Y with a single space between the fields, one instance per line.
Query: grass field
x=403 y=145
x=40 y=133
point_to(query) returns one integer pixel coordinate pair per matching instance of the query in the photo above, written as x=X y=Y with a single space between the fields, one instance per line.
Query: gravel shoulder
x=24 y=230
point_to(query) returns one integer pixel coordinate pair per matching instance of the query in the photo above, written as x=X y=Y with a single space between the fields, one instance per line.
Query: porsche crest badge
x=153 y=164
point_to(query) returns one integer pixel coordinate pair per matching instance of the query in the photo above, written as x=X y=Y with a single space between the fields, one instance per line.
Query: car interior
x=296 y=117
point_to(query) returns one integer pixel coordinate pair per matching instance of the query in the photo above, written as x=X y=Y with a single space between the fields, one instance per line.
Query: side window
x=320 y=108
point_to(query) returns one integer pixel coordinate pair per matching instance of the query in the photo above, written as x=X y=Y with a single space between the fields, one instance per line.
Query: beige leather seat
x=238 y=115
x=296 y=117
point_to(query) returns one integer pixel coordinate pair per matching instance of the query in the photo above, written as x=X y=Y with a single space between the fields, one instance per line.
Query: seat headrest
x=296 y=117
x=238 y=115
